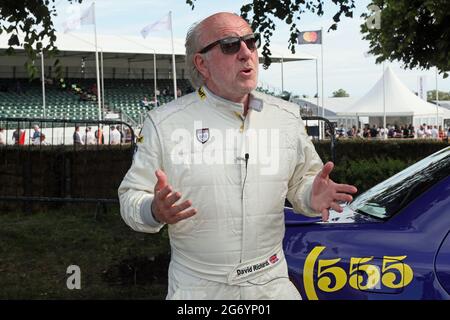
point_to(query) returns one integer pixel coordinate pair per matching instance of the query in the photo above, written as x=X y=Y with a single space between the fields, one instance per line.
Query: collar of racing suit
x=255 y=103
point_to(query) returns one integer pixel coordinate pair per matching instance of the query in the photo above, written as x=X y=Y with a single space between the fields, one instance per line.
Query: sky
x=346 y=64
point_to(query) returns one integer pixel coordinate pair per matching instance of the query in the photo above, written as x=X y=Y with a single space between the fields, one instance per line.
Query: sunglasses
x=232 y=45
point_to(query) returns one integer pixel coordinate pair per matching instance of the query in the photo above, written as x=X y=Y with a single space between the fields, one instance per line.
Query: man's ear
x=202 y=65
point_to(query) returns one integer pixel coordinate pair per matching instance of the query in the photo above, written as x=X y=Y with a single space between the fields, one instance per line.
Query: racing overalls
x=237 y=171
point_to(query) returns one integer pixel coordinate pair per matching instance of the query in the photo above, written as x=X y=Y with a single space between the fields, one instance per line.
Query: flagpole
x=317 y=85
x=102 y=78
x=321 y=53
x=384 y=103
x=323 y=107
x=282 y=76
x=99 y=96
x=174 y=72
x=437 y=99
x=43 y=81
x=154 y=78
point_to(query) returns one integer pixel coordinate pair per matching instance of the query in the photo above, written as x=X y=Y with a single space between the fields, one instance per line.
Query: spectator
x=18 y=137
x=121 y=133
x=374 y=132
x=114 y=135
x=99 y=136
x=88 y=137
x=434 y=133
x=2 y=137
x=427 y=131
x=441 y=133
x=145 y=103
x=42 y=140
x=77 y=137
x=36 y=139
x=128 y=137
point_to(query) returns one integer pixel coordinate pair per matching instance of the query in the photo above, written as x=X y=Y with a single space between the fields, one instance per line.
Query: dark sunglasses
x=231 y=45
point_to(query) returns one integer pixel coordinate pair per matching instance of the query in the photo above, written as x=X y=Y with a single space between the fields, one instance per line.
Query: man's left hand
x=326 y=194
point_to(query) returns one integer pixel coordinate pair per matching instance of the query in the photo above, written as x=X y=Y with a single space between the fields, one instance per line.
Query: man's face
x=231 y=76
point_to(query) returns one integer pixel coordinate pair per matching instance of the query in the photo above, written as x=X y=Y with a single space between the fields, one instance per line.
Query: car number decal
x=328 y=276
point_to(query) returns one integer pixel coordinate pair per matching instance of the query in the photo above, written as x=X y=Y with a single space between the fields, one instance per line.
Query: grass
x=115 y=261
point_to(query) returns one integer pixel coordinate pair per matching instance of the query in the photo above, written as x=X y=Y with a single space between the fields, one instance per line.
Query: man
x=77 y=136
x=114 y=135
x=2 y=137
x=202 y=168
x=36 y=139
x=88 y=137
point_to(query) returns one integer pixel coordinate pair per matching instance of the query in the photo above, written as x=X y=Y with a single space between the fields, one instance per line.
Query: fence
x=318 y=127
x=65 y=166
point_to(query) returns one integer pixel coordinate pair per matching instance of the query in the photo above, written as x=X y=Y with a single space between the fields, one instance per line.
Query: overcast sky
x=345 y=63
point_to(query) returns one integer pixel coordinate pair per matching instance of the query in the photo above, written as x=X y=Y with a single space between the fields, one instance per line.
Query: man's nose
x=244 y=52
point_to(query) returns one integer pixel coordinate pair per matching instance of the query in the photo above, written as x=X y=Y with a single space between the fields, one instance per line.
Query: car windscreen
x=388 y=197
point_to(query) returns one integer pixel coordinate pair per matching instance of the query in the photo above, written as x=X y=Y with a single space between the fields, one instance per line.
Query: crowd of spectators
x=424 y=131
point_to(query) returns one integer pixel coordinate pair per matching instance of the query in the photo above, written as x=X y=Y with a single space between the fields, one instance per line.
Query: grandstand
x=121 y=95
x=127 y=69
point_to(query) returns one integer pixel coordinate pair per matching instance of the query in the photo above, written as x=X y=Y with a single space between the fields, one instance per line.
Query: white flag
x=80 y=19
x=162 y=24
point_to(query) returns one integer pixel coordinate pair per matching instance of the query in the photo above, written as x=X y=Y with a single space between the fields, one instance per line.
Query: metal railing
x=62 y=168
x=317 y=132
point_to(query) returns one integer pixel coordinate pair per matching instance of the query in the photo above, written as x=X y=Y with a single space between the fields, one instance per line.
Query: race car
x=390 y=242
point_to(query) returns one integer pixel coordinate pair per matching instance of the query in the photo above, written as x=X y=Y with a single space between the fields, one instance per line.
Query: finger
x=325 y=215
x=161 y=195
x=336 y=207
x=346 y=188
x=182 y=206
x=162 y=180
x=326 y=170
x=184 y=215
x=343 y=197
x=171 y=199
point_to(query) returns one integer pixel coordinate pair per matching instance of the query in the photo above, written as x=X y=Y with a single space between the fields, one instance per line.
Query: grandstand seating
x=121 y=95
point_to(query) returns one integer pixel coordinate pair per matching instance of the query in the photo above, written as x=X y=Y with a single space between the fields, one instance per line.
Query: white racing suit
x=237 y=171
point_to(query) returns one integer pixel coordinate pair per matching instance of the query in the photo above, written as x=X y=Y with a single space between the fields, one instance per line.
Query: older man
x=216 y=165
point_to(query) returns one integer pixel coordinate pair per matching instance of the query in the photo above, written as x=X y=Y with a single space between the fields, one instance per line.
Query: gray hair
x=192 y=47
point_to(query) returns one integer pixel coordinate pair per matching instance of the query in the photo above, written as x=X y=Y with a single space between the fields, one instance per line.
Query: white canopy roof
x=398 y=101
x=82 y=42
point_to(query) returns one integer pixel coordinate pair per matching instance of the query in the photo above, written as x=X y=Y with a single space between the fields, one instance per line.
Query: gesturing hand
x=325 y=192
x=163 y=205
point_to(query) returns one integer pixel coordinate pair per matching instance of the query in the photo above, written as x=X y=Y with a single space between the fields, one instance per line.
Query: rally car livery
x=391 y=242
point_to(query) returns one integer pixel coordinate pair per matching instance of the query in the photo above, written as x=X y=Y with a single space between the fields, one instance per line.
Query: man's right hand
x=163 y=205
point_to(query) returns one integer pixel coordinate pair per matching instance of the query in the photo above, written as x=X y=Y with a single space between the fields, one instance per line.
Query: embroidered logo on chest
x=202 y=135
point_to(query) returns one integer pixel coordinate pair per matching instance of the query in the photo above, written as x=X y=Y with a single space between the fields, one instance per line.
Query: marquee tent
x=390 y=97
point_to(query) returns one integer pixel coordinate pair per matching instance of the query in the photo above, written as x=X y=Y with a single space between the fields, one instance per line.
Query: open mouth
x=246 y=71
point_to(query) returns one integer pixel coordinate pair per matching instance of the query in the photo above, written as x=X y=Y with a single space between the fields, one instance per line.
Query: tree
x=431 y=95
x=340 y=93
x=289 y=11
x=34 y=19
x=414 y=32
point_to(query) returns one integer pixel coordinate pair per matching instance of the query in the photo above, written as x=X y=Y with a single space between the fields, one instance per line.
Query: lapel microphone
x=247 y=156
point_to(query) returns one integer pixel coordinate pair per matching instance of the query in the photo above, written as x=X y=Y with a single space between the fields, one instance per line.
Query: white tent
x=390 y=97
